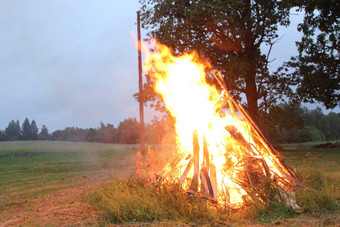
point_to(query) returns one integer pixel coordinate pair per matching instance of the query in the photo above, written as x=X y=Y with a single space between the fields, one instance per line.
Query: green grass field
x=25 y=165
x=47 y=182
x=32 y=171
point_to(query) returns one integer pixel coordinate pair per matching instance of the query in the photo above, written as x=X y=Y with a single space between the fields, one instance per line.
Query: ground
x=46 y=182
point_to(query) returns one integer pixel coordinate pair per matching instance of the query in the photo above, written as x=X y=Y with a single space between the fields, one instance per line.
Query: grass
x=135 y=200
x=36 y=169
x=320 y=174
x=305 y=145
x=25 y=165
x=129 y=200
x=325 y=161
x=45 y=177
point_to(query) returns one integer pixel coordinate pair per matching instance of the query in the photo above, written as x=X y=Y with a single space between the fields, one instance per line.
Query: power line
x=69 y=52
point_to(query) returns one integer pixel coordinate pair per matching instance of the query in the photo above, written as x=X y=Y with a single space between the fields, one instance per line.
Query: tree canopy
x=26 y=129
x=316 y=68
x=13 y=131
x=43 y=135
x=227 y=33
x=34 y=131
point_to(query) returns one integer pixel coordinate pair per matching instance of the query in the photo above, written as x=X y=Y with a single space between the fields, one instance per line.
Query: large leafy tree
x=128 y=131
x=228 y=33
x=316 y=68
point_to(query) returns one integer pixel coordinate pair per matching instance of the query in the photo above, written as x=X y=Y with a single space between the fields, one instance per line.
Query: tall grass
x=319 y=172
x=137 y=200
x=321 y=193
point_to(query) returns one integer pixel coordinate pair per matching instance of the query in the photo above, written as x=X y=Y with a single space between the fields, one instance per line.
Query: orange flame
x=196 y=107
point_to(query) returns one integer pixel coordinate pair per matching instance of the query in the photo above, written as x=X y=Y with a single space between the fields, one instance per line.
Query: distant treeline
x=285 y=123
x=127 y=132
x=291 y=123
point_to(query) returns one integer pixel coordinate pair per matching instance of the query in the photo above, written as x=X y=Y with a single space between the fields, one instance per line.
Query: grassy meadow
x=67 y=183
x=31 y=172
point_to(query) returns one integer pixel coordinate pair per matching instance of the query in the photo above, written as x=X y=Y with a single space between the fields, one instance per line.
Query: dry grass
x=51 y=183
x=136 y=200
x=43 y=182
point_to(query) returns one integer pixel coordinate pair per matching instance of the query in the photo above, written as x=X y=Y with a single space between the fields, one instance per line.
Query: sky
x=74 y=63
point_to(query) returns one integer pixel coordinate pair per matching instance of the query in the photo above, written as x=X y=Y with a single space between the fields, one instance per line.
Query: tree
x=333 y=120
x=160 y=131
x=107 y=133
x=228 y=33
x=318 y=119
x=128 y=131
x=70 y=134
x=92 y=135
x=34 y=131
x=280 y=120
x=44 y=135
x=57 y=135
x=2 y=136
x=26 y=130
x=13 y=130
x=317 y=66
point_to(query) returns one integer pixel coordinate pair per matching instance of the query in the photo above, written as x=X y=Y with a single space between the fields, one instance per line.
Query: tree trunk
x=251 y=90
x=250 y=51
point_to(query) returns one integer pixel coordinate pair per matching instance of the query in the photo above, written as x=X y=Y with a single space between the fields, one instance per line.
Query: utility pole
x=141 y=101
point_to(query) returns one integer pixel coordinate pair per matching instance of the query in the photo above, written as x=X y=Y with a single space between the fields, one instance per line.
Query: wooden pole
x=141 y=101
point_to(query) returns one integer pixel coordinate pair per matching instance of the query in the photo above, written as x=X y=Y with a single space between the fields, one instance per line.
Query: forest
x=285 y=123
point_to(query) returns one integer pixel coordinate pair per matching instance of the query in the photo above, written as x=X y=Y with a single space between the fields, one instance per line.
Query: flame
x=224 y=137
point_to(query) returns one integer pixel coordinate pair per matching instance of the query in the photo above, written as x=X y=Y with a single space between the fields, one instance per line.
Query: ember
x=221 y=153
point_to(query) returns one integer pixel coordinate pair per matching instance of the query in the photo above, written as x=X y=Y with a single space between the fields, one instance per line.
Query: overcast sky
x=74 y=63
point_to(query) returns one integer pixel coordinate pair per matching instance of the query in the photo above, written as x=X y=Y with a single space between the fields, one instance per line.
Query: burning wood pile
x=221 y=153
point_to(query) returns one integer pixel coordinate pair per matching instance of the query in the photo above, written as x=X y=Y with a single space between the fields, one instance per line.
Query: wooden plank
x=204 y=186
x=185 y=173
x=206 y=159
x=205 y=181
x=196 y=160
x=213 y=180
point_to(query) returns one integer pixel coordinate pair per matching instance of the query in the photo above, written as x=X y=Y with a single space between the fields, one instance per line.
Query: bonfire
x=221 y=153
